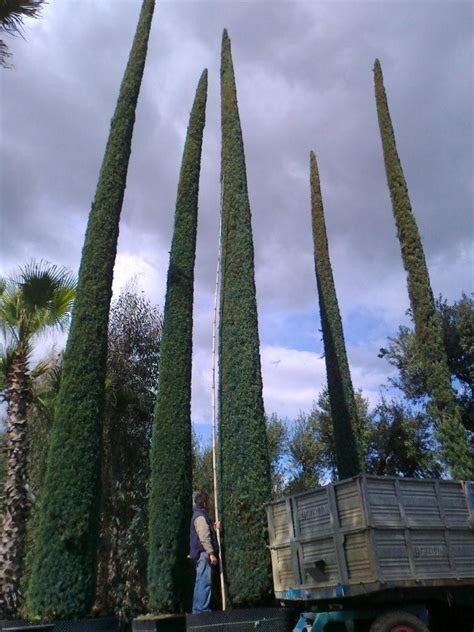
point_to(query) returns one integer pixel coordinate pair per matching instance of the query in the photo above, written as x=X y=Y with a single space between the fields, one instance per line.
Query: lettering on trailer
x=314 y=512
x=429 y=551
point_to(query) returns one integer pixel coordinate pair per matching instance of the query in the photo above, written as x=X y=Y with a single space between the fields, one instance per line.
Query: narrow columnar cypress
x=341 y=392
x=244 y=462
x=429 y=336
x=171 y=448
x=63 y=574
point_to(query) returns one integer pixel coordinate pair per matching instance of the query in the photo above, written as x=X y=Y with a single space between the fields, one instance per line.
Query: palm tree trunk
x=12 y=542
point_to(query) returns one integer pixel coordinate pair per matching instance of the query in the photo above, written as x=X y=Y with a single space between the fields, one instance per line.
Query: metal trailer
x=376 y=553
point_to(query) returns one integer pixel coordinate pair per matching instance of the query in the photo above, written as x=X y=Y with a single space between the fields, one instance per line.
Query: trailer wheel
x=398 y=622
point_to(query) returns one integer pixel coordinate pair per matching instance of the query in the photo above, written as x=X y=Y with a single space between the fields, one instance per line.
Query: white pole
x=213 y=409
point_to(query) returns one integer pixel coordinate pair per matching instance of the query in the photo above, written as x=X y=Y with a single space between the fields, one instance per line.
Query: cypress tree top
x=245 y=471
x=429 y=337
x=341 y=392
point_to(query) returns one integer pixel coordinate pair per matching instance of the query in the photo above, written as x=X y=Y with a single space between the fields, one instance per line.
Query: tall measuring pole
x=213 y=410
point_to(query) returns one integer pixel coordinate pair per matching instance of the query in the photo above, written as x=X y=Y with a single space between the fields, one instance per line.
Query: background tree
x=64 y=566
x=244 y=462
x=401 y=442
x=457 y=322
x=304 y=448
x=132 y=371
x=451 y=433
x=202 y=468
x=171 y=449
x=38 y=298
x=311 y=443
x=341 y=392
x=323 y=420
x=12 y=14
x=393 y=440
x=277 y=439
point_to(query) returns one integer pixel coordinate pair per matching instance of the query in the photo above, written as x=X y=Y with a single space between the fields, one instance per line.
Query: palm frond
x=54 y=375
x=40 y=369
x=58 y=276
x=4 y=55
x=13 y=12
x=36 y=299
x=61 y=306
x=7 y=354
x=45 y=383
x=9 y=313
x=47 y=291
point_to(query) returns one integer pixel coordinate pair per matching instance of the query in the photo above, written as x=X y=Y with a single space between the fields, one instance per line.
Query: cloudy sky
x=304 y=80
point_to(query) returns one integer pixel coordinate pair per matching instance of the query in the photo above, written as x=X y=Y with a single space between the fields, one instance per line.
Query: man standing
x=204 y=552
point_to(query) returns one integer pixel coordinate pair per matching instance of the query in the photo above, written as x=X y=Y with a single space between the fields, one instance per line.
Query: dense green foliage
x=132 y=370
x=132 y=373
x=311 y=443
x=392 y=440
x=202 y=468
x=64 y=567
x=401 y=442
x=457 y=322
x=46 y=378
x=171 y=451
x=277 y=439
x=341 y=392
x=244 y=463
x=451 y=433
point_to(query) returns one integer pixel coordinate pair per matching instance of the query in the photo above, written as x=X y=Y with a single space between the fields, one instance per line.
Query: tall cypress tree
x=63 y=574
x=245 y=471
x=341 y=392
x=171 y=449
x=428 y=332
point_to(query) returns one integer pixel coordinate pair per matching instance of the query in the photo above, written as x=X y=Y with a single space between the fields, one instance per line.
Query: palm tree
x=12 y=13
x=38 y=298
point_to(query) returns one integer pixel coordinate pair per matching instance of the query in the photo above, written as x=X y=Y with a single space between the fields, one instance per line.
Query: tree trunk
x=12 y=542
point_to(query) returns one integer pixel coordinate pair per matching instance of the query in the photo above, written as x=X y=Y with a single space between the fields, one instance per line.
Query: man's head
x=201 y=500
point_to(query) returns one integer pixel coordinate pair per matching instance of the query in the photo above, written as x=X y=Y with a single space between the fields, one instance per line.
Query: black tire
x=404 y=620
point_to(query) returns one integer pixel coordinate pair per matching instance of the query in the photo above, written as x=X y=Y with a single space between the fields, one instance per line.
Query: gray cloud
x=304 y=80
